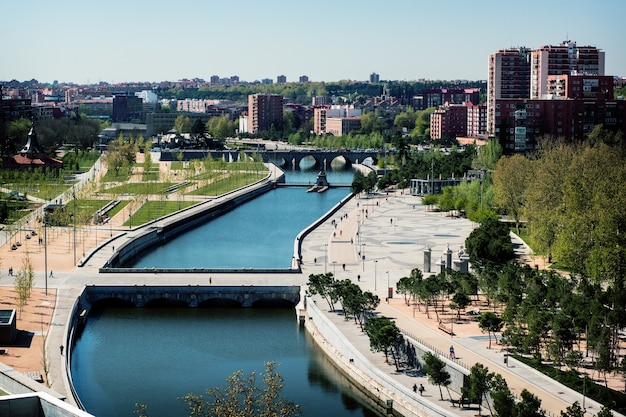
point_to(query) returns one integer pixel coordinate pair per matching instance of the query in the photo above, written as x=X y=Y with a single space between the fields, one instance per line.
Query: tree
x=24 y=282
x=242 y=397
x=510 y=180
x=529 y=406
x=574 y=410
x=490 y=243
x=384 y=335
x=487 y=156
x=479 y=383
x=501 y=396
x=460 y=300
x=322 y=284
x=435 y=368
x=604 y=412
x=182 y=124
x=491 y=323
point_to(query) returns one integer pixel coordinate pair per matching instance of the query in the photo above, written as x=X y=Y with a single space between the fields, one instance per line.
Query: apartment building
x=435 y=97
x=565 y=58
x=264 y=110
x=508 y=77
x=339 y=126
x=322 y=114
x=448 y=121
x=580 y=86
x=476 y=120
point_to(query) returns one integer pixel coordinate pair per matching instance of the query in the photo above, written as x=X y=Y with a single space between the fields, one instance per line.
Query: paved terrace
x=395 y=230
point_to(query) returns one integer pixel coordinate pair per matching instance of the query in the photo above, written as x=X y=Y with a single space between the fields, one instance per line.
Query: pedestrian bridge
x=283 y=159
x=189 y=296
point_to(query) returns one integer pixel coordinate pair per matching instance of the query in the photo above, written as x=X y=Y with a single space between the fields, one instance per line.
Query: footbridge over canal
x=189 y=296
x=285 y=159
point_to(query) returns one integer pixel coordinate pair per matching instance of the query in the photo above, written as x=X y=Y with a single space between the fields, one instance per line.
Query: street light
x=375 y=264
x=388 y=291
x=325 y=257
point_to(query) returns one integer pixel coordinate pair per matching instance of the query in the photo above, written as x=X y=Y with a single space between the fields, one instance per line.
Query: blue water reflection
x=257 y=234
x=153 y=356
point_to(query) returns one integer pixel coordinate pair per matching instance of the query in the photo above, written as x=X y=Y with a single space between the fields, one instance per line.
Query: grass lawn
x=141 y=188
x=151 y=210
x=85 y=209
x=228 y=184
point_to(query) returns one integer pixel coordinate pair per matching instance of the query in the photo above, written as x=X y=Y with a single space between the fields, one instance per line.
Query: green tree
x=460 y=301
x=182 y=124
x=501 y=397
x=574 y=410
x=604 y=412
x=384 y=335
x=487 y=156
x=24 y=282
x=491 y=323
x=510 y=180
x=490 y=243
x=479 y=383
x=243 y=397
x=529 y=406
x=370 y=122
x=322 y=284
x=435 y=368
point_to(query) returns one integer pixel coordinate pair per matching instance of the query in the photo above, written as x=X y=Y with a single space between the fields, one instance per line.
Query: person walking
x=414 y=388
x=452 y=352
x=421 y=390
x=51 y=276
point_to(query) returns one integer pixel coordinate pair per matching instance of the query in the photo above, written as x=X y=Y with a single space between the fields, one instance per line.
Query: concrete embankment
x=379 y=387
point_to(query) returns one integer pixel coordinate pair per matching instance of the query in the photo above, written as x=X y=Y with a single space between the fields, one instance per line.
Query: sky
x=89 y=41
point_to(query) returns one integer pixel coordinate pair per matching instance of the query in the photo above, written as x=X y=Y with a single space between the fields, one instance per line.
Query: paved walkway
x=395 y=230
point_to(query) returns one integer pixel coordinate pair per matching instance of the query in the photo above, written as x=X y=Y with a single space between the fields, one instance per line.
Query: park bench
x=445 y=328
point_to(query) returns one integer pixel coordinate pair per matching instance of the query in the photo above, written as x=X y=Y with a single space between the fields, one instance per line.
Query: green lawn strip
x=176 y=165
x=152 y=210
x=46 y=190
x=150 y=175
x=117 y=208
x=122 y=176
x=85 y=209
x=603 y=395
x=141 y=188
x=228 y=184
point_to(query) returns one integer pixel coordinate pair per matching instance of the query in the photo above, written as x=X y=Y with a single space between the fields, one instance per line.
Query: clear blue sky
x=328 y=40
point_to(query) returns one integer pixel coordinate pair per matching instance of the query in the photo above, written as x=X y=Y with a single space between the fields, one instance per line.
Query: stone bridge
x=189 y=296
x=284 y=159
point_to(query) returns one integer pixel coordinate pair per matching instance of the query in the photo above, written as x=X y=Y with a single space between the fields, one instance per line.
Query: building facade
x=508 y=77
x=264 y=110
x=448 y=121
x=322 y=114
x=565 y=58
x=339 y=126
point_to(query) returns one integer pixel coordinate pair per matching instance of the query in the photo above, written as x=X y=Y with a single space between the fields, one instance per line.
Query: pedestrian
x=344 y=267
x=51 y=276
x=422 y=389
x=113 y=247
x=414 y=388
x=10 y=271
x=210 y=280
x=452 y=352
x=358 y=278
x=314 y=260
x=61 y=349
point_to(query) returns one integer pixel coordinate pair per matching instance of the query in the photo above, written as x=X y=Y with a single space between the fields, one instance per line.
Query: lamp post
x=375 y=264
x=325 y=257
x=74 y=198
x=45 y=252
x=387 y=286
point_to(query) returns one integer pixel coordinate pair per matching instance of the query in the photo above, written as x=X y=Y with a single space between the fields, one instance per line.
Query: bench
x=445 y=328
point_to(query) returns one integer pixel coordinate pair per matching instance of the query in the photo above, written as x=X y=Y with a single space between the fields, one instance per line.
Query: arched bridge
x=190 y=296
x=284 y=159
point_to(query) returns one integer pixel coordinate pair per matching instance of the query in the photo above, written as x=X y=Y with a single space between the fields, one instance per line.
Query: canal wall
x=377 y=385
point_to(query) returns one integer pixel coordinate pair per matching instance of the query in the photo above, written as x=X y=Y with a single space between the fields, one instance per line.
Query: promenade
x=391 y=231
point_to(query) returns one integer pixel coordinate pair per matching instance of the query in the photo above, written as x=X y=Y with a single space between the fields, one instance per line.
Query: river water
x=154 y=356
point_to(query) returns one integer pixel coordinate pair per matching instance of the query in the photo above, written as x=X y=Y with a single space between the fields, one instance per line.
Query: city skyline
x=330 y=41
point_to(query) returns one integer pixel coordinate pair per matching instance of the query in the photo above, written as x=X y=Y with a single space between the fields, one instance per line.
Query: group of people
x=421 y=389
